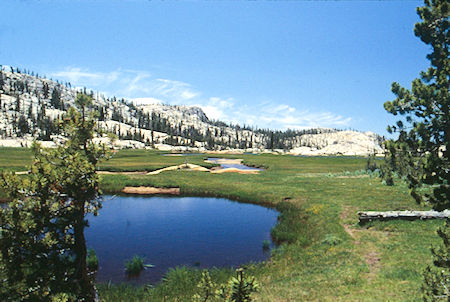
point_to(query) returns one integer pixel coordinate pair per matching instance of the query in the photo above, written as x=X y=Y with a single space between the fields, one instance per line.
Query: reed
x=135 y=265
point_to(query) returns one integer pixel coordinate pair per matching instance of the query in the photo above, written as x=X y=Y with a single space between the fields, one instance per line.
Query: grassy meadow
x=323 y=254
x=15 y=159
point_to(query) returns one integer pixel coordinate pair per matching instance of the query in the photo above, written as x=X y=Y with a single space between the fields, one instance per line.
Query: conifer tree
x=421 y=151
x=423 y=144
x=42 y=244
x=56 y=99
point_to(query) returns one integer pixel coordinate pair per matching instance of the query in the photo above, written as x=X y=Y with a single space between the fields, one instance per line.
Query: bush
x=91 y=260
x=237 y=289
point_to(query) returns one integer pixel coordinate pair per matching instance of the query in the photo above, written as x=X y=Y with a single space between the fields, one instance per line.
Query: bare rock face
x=29 y=106
x=339 y=143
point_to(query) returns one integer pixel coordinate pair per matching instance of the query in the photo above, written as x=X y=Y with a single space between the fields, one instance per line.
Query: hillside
x=30 y=104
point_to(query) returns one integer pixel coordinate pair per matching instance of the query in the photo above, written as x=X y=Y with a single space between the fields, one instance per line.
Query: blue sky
x=271 y=64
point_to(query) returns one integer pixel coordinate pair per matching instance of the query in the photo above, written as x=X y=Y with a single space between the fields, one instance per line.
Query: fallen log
x=405 y=215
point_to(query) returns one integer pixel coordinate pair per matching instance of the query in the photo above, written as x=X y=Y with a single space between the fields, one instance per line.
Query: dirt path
x=365 y=248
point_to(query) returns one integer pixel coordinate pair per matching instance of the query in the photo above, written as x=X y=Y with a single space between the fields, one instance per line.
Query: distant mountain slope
x=29 y=106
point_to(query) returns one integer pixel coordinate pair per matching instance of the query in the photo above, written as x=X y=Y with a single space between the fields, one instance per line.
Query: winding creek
x=173 y=231
x=226 y=163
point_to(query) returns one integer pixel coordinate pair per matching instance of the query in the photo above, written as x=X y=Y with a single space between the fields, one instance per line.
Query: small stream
x=231 y=163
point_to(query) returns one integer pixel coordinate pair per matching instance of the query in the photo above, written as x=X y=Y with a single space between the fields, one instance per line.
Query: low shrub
x=91 y=260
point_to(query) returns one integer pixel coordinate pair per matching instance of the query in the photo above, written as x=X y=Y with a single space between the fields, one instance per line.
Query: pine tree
x=42 y=245
x=437 y=278
x=423 y=144
x=55 y=101
x=17 y=108
x=22 y=126
x=421 y=152
x=45 y=90
x=2 y=81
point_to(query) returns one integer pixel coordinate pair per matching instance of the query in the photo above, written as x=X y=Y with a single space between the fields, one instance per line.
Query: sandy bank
x=188 y=167
x=234 y=170
x=151 y=190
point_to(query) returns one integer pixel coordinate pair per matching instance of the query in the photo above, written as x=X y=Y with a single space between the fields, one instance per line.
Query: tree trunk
x=81 y=273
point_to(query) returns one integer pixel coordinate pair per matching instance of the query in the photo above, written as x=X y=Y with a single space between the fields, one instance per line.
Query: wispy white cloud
x=217 y=108
x=173 y=90
x=144 y=88
x=77 y=74
x=130 y=84
x=145 y=101
x=283 y=116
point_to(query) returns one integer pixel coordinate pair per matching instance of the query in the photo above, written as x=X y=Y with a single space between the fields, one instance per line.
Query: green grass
x=317 y=259
x=148 y=160
x=15 y=159
x=134 y=265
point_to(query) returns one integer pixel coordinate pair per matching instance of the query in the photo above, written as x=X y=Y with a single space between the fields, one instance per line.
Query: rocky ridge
x=30 y=104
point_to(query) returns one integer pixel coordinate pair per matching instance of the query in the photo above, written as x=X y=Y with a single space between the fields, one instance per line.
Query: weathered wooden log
x=405 y=215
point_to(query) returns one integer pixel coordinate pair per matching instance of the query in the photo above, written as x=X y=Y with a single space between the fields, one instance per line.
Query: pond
x=226 y=163
x=173 y=231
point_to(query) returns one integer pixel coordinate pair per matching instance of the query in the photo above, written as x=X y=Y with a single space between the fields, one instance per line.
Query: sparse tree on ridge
x=56 y=99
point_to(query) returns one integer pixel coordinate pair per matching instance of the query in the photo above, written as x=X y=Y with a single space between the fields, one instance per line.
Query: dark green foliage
x=22 y=126
x=421 y=152
x=372 y=164
x=31 y=246
x=206 y=289
x=18 y=104
x=239 y=288
x=135 y=265
x=55 y=101
x=42 y=245
x=45 y=90
x=437 y=279
x=266 y=245
x=92 y=260
x=2 y=80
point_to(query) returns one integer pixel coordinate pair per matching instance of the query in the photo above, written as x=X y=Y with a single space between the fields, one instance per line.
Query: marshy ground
x=324 y=255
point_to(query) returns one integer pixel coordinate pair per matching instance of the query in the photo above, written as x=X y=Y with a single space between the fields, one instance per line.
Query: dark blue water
x=172 y=231
x=227 y=165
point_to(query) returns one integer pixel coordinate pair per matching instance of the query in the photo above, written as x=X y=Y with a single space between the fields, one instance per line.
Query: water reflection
x=167 y=231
